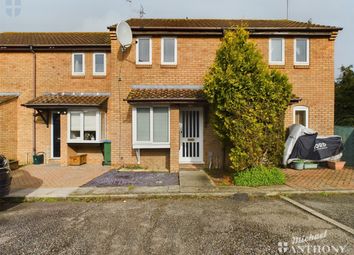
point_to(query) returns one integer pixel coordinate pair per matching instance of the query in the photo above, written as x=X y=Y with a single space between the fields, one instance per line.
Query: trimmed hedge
x=260 y=176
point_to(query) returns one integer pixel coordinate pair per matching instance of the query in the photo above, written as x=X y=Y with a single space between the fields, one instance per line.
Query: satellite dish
x=124 y=35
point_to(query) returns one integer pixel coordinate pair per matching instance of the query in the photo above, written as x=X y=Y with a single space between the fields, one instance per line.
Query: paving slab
x=194 y=179
x=43 y=192
x=173 y=188
x=109 y=190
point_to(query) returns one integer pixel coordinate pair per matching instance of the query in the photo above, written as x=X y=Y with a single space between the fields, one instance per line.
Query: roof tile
x=67 y=100
x=55 y=39
x=5 y=98
x=224 y=23
x=144 y=95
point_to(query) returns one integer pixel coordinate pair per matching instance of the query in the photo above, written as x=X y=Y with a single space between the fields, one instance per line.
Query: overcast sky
x=96 y=15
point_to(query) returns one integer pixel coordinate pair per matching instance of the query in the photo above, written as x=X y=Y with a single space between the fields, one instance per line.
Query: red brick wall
x=53 y=75
x=313 y=84
x=195 y=55
x=8 y=129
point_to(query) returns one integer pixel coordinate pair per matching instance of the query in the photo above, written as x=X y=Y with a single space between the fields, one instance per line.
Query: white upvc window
x=276 y=51
x=78 y=64
x=151 y=127
x=301 y=51
x=144 y=51
x=86 y=126
x=169 y=51
x=301 y=115
x=99 y=64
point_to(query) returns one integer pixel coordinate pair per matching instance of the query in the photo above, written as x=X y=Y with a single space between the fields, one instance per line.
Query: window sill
x=151 y=146
x=99 y=76
x=84 y=142
x=143 y=65
x=276 y=66
x=78 y=76
x=168 y=66
x=297 y=66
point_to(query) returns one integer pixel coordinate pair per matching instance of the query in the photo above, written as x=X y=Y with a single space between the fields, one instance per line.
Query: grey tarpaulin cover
x=304 y=143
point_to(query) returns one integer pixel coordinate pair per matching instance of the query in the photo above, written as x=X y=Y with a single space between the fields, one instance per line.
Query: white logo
x=309 y=238
x=13 y=7
x=302 y=245
x=320 y=146
x=283 y=247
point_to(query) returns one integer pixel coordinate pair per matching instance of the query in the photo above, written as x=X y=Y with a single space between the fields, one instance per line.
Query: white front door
x=191 y=135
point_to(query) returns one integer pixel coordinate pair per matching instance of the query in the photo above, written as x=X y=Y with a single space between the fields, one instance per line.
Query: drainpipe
x=34 y=88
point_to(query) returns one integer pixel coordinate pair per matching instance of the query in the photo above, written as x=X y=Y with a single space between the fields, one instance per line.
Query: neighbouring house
x=81 y=88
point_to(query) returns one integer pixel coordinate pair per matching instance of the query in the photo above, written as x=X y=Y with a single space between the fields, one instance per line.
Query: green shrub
x=260 y=176
x=247 y=102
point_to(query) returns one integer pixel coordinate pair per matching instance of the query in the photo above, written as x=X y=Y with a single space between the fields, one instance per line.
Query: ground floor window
x=151 y=127
x=86 y=126
x=300 y=115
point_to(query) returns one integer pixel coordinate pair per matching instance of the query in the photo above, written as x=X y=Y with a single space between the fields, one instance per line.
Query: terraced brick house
x=64 y=93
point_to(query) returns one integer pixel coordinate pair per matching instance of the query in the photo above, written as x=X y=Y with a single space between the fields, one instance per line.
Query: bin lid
x=107 y=141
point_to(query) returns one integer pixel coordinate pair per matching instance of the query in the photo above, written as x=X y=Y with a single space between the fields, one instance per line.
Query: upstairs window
x=276 y=51
x=99 y=64
x=143 y=51
x=301 y=115
x=78 y=64
x=169 y=51
x=151 y=127
x=301 y=51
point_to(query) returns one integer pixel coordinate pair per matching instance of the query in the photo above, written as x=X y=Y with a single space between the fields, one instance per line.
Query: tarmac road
x=161 y=226
x=337 y=207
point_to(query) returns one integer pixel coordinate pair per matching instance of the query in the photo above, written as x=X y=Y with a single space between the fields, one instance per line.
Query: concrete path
x=42 y=193
x=194 y=179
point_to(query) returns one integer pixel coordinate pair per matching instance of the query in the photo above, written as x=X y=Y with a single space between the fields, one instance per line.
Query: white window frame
x=302 y=109
x=149 y=144
x=162 y=51
x=282 y=62
x=94 y=64
x=73 y=64
x=307 y=62
x=98 y=126
x=137 y=52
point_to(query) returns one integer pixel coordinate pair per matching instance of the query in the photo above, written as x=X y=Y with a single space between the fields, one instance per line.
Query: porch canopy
x=64 y=100
x=8 y=96
x=171 y=94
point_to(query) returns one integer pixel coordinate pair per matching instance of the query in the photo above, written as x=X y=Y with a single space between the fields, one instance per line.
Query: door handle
x=190 y=139
x=58 y=138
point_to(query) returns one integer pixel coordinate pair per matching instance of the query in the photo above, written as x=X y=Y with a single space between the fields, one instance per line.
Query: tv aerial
x=142 y=11
x=124 y=35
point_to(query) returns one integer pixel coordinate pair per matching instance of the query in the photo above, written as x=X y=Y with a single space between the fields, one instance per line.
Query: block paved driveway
x=54 y=176
x=320 y=179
